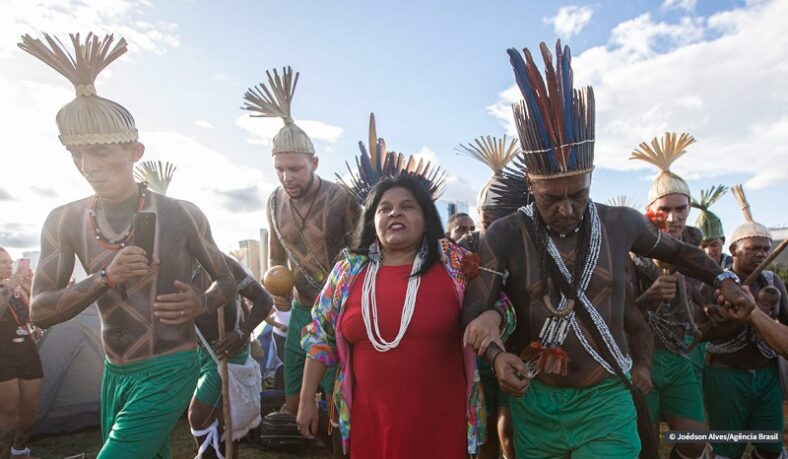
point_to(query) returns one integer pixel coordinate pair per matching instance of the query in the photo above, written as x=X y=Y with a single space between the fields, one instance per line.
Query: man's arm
x=251 y=289
x=687 y=259
x=52 y=303
x=202 y=247
x=484 y=290
x=773 y=332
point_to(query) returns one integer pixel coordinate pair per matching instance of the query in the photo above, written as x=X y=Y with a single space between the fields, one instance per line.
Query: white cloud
x=729 y=91
x=686 y=5
x=60 y=17
x=205 y=125
x=570 y=20
x=427 y=154
x=262 y=130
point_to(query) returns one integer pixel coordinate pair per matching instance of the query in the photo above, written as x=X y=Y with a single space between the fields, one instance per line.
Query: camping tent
x=73 y=361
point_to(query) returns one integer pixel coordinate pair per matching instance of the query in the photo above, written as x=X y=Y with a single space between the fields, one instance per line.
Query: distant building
x=251 y=256
x=780 y=234
x=448 y=208
x=263 y=250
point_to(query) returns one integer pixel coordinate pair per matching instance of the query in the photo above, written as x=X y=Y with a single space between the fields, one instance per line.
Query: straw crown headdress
x=708 y=221
x=274 y=101
x=495 y=153
x=88 y=119
x=662 y=153
x=750 y=228
x=555 y=122
x=376 y=163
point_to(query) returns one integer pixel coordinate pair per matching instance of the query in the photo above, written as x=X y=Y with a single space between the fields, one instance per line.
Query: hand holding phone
x=144 y=227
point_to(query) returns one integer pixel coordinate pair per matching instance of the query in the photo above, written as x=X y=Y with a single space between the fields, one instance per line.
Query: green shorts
x=744 y=400
x=593 y=422
x=209 y=386
x=300 y=317
x=677 y=391
x=141 y=402
x=493 y=395
x=698 y=358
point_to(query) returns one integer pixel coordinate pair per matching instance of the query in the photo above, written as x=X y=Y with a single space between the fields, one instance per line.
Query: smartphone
x=23 y=265
x=144 y=227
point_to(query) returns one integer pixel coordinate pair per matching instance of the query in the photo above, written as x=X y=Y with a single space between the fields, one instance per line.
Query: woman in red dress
x=389 y=317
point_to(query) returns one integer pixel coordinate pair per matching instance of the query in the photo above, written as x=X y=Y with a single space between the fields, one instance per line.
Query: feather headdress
x=555 y=122
x=623 y=201
x=662 y=153
x=157 y=174
x=495 y=153
x=708 y=221
x=274 y=101
x=376 y=163
x=88 y=119
x=750 y=228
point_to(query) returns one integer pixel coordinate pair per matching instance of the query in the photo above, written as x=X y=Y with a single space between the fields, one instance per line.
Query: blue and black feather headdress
x=376 y=163
x=555 y=122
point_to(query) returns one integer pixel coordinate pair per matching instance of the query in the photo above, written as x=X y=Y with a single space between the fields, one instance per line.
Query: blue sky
x=435 y=73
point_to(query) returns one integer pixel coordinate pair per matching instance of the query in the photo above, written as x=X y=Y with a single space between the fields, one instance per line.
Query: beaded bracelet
x=105 y=278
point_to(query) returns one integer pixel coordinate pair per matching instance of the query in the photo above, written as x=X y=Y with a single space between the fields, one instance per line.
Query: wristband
x=726 y=275
x=106 y=280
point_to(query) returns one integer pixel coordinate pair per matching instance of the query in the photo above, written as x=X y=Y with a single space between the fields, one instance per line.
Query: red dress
x=408 y=402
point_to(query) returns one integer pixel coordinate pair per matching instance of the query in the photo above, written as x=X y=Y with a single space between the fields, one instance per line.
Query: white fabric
x=211 y=440
x=245 y=383
x=281 y=317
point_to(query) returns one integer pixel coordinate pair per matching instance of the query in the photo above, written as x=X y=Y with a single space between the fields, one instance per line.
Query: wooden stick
x=754 y=275
x=228 y=421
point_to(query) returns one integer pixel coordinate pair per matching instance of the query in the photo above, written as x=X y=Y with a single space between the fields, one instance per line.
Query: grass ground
x=181 y=446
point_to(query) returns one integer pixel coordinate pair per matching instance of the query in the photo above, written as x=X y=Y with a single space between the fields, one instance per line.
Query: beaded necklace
x=115 y=244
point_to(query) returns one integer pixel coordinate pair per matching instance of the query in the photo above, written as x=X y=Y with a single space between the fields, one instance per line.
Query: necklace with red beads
x=126 y=239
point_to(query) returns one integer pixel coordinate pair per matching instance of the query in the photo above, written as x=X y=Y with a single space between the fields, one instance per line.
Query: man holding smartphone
x=147 y=307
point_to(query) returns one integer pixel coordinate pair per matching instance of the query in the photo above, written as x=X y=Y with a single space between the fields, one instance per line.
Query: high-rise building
x=263 y=250
x=251 y=256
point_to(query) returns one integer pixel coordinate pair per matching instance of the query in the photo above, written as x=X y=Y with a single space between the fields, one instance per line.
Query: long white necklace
x=369 y=304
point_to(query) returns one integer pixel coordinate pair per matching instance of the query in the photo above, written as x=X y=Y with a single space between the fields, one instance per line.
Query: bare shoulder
x=67 y=216
x=618 y=219
x=336 y=193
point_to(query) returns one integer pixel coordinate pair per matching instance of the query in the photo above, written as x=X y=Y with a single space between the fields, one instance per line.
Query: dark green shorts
x=141 y=402
x=744 y=400
x=677 y=391
x=209 y=386
x=300 y=317
x=593 y=422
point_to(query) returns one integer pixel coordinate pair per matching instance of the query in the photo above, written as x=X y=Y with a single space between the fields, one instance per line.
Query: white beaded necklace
x=369 y=305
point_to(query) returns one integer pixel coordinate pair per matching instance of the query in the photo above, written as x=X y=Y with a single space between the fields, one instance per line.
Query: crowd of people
x=557 y=327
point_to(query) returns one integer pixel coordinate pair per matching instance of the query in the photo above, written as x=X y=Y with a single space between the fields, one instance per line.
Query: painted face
x=5 y=265
x=461 y=227
x=399 y=220
x=713 y=248
x=749 y=253
x=562 y=201
x=676 y=208
x=296 y=172
x=109 y=169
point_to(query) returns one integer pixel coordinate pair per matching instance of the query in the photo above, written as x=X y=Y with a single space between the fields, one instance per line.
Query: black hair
x=365 y=233
x=455 y=217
